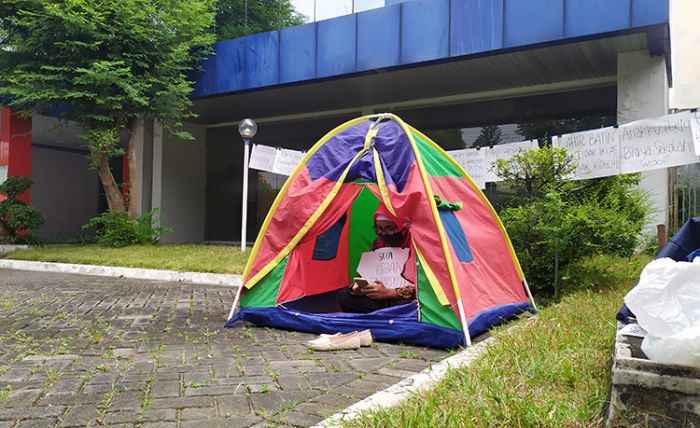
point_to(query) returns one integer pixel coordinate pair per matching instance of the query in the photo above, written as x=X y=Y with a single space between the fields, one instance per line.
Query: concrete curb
x=202 y=278
x=411 y=385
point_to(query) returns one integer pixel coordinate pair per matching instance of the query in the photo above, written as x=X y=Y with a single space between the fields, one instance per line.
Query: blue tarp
x=397 y=323
x=683 y=243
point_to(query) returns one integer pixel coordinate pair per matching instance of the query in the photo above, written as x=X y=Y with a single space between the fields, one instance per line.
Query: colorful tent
x=468 y=277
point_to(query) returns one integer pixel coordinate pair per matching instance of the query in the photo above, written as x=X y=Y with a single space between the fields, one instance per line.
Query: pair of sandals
x=339 y=341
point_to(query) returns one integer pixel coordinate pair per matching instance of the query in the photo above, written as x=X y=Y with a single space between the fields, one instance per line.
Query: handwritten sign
x=286 y=160
x=3 y=174
x=386 y=265
x=505 y=152
x=657 y=143
x=597 y=152
x=262 y=158
x=473 y=161
x=695 y=127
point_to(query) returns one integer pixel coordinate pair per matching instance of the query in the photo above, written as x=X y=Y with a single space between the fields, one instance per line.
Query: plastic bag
x=666 y=302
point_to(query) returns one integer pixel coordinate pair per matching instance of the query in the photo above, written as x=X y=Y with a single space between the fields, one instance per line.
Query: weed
x=411 y=355
x=4 y=393
x=335 y=368
x=102 y=367
x=265 y=388
x=274 y=374
x=104 y=404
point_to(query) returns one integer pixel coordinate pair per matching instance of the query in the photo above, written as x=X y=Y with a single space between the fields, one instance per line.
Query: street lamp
x=247 y=128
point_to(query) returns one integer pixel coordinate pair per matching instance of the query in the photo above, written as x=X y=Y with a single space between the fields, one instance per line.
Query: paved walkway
x=79 y=350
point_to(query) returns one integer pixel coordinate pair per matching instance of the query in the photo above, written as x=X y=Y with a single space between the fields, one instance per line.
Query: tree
x=17 y=219
x=554 y=222
x=106 y=64
x=233 y=20
x=490 y=136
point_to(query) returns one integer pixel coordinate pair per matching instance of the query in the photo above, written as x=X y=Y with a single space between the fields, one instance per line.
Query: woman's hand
x=377 y=291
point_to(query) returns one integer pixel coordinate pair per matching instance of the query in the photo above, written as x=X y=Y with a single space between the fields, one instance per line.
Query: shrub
x=555 y=222
x=17 y=219
x=116 y=229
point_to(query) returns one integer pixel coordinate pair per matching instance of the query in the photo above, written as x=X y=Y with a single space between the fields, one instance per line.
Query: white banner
x=286 y=160
x=505 y=152
x=657 y=143
x=262 y=158
x=597 y=152
x=695 y=127
x=473 y=161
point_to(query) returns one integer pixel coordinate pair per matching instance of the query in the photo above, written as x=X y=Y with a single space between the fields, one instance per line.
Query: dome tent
x=468 y=277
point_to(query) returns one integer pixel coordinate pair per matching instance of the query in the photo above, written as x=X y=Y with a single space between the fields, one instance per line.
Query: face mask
x=394 y=240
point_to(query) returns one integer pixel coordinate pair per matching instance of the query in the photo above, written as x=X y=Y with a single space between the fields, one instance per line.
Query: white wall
x=179 y=177
x=65 y=190
x=685 y=54
x=642 y=91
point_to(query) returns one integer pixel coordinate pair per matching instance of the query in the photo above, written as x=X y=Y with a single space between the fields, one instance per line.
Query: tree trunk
x=115 y=199
x=133 y=182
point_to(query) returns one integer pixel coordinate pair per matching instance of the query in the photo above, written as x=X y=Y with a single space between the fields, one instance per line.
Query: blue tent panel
x=396 y=323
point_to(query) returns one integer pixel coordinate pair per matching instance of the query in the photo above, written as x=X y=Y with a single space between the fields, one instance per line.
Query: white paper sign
x=505 y=152
x=385 y=264
x=286 y=160
x=597 y=152
x=695 y=127
x=3 y=174
x=262 y=158
x=473 y=161
x=657 y=143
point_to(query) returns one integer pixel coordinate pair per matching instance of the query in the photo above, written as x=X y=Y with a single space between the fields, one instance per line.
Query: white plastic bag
x=666 y=303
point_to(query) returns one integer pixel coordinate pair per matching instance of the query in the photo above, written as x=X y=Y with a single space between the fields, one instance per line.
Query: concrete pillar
x=15 y=146
x=685 y=62
x=157 y=167
x=642 y=92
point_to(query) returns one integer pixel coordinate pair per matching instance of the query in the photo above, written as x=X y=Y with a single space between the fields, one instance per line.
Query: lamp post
x=247 y=128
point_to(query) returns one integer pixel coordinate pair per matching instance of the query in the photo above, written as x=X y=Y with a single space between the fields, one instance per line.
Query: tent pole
x=235 y=303
x=463 y=318
x=529 y=294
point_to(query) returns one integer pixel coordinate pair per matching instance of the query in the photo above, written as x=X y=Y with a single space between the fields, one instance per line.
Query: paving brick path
x=88 y=351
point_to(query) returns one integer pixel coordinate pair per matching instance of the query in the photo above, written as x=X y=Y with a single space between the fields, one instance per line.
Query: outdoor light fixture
x=247 y=128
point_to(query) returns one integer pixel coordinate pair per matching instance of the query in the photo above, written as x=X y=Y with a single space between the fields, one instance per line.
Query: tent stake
x=465 y=327
x=235 y=303
x=529 y=294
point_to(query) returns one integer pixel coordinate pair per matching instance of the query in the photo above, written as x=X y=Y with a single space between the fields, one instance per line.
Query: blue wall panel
x=595 y=16
x=476 y=26
x=298 y=53
x=378 y=38
x=262 y=59
x=230 y=66
x=533 y=21
x=648 y=12
x=336 y=46
x=424 y=30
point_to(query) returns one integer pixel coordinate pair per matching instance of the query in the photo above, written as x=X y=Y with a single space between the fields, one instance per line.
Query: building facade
x=448 y=67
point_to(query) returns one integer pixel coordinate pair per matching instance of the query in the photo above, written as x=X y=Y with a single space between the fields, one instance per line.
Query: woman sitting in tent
x=391 y=232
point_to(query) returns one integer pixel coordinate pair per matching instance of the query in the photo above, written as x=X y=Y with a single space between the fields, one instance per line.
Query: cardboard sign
x=286 y=160
x=262 y=158
x=597 y=153
x=657 y=143
x=385 y=264
x=505 y=152
x=473 y=161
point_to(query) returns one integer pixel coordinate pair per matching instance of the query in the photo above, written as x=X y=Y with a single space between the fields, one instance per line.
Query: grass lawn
x=180 y=257
x=551 y=371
